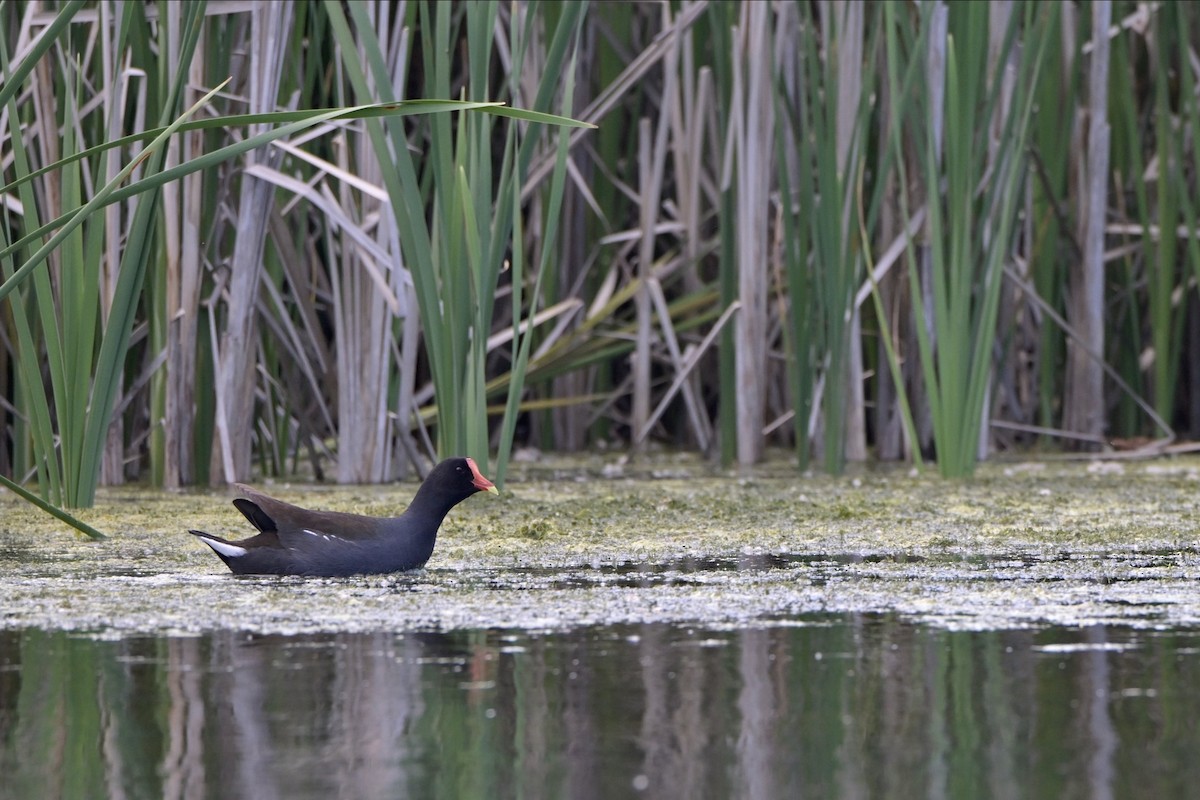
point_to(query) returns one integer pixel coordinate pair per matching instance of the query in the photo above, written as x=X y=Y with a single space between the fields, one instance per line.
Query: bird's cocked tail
x=225 y=549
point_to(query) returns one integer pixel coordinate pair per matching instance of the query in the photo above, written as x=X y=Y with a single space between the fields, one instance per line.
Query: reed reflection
x=838 y=706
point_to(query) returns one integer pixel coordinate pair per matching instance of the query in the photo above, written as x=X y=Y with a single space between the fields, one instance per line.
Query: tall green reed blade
x=1185 y=22
x=893 y=34
x=522 y=344
x=888 y=30
x=970 y=222
x=817 y=166
x=1127 y=160
x=53 y=510
x=720 y=22
x=67 y=312
x=1163 y=274
x=15 y=78
x=838 y=264
x=84 y=396
x=404 y=189
x=69 y=221
x=1052 y=243
x=33 y=426
x=303 y=119
x=456 y=261
x=289 y=123
x=795 y=170
x=51 y=466
x=135 y=257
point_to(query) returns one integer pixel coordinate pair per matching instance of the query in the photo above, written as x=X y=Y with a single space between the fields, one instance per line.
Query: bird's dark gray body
x=298 y=541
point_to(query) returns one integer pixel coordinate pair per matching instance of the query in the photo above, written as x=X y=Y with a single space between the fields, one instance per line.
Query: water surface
x=822 y=706
x=1032 y=633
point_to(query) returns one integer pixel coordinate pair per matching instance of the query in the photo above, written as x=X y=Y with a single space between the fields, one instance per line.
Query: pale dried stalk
x=752 y=135
x=368 y=291
x=1085 y=411
x=115 y=91
x=612 y=94
x=236 y=377
x=641 y=354
x=185 y=274
x=849 y=20
x=683 y=367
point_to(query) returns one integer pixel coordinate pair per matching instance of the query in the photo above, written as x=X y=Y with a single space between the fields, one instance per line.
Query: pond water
x=848 y=705
x=1034 y=632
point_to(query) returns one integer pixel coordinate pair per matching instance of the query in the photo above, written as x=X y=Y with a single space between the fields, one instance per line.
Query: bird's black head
x=457 y=479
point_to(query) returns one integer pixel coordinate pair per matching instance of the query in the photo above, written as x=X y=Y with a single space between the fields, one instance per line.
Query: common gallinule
x=296 y=541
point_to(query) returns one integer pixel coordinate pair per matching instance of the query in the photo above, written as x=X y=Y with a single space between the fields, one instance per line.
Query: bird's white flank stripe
x=324 y=536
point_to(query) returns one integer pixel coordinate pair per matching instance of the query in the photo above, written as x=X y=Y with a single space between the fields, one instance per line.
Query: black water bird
x=297 y=541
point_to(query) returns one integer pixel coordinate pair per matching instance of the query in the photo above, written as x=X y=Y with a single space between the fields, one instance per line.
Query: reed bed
x=341 y=239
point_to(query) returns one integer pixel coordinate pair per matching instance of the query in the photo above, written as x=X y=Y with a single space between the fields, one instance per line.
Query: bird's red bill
x=478 y=481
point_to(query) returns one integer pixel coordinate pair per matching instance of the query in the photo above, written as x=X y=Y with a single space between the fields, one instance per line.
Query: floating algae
x=670 y=540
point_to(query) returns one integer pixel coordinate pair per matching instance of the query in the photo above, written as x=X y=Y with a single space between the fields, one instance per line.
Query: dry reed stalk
x=236 y=377
x=115 y=88
x=1003 y=72
x=935 y=70
x=1086 y=412
x=626 y=82
x=652 y=159
x=752 y=130
x=1030 y=291
x=848 y=24
x=648 y=207
x=681 y=370
x=365 y=368
x=184 y=280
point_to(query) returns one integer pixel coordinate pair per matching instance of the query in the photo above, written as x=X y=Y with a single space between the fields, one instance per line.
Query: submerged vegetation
x=919 y=230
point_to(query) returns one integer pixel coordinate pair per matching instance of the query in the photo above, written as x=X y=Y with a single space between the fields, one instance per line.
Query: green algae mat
x=607 y=541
